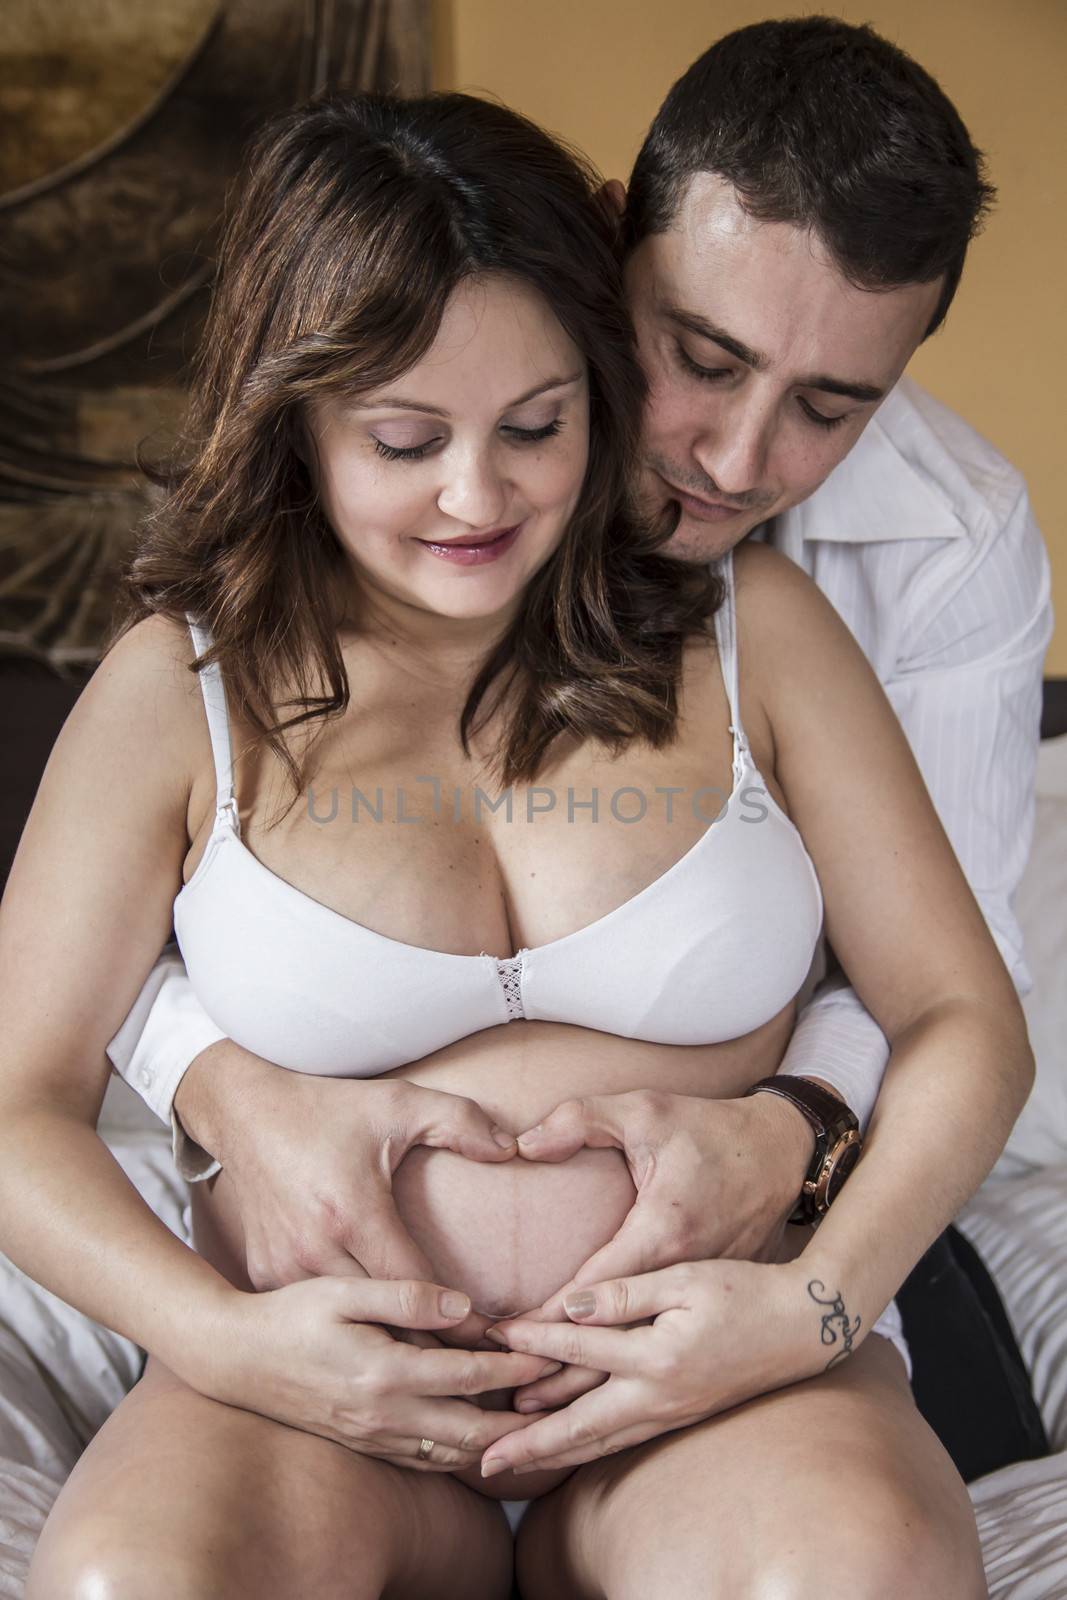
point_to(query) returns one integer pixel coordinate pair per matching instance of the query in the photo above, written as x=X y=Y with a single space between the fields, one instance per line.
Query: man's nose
x=734 y=451
x=475 y=492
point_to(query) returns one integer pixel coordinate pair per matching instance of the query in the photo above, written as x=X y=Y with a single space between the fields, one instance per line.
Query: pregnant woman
x=452 y=782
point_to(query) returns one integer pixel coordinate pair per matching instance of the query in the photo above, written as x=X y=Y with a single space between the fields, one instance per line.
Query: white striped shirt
x=924 y=541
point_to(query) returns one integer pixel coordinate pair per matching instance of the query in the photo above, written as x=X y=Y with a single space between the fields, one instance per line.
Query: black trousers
x=968 y=1378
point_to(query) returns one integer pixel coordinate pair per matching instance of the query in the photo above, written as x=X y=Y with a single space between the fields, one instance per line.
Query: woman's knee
x=891 y=1543
x=96 y=1561
x=100 y=1559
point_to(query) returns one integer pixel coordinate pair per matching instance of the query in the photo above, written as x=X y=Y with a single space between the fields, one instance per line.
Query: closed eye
x=411 y=452
x=532 y=435
x=716 y=374
x=817 y=417
x=707 y=374
x=416 y=452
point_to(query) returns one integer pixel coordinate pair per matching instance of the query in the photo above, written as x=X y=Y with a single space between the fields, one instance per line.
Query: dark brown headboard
x=1054 y=714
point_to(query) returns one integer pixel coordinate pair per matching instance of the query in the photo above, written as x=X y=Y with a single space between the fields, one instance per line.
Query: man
x=796 y=222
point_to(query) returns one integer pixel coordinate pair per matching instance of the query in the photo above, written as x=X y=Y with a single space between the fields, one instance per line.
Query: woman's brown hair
x=357 y=218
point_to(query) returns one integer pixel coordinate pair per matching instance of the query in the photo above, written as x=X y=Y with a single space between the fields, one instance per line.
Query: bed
x=61 y=1375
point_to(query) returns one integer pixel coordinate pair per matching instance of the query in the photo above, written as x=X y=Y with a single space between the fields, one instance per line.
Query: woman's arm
x=903 y=923
x=87 y=908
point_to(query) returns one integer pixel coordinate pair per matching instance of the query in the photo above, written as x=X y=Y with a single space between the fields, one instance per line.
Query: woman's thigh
x=832 y=1485
x=181 y=1496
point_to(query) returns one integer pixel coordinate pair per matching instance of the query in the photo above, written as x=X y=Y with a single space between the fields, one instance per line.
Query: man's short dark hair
x=830 y=127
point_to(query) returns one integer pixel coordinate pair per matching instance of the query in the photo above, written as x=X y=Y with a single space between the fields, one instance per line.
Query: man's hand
x=311 y=1162
x=714 y=1179
x=723 y=1331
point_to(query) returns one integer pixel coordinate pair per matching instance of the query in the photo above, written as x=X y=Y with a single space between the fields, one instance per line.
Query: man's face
x=764 y=363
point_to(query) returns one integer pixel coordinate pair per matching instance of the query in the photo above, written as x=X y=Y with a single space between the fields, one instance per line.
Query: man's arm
x=166 y=1029
x=967 y=691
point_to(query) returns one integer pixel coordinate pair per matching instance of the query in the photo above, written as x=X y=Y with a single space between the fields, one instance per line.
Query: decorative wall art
x=121 y=126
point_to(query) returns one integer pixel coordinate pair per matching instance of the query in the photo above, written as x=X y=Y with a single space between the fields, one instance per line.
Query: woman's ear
x=611 y=198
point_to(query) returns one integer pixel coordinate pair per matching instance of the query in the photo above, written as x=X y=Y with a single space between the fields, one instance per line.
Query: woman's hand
x=722 y=1332
x=714 y=1178
x=310 y=1161
x=320 y=1356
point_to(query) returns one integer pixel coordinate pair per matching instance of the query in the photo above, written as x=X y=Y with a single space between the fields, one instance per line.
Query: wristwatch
x=838 y=1142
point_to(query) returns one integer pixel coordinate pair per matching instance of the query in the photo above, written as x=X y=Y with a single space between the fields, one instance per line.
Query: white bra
x=710 y=950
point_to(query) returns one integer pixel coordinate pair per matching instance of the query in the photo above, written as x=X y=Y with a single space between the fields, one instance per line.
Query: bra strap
x=218 y=722
x=726 y=637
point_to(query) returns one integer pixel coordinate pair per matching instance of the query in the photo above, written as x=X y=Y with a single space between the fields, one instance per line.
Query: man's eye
x=817 y=417
x=706 y=374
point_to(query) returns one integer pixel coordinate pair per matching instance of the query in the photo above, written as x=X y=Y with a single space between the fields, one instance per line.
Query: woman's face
x=452 y=485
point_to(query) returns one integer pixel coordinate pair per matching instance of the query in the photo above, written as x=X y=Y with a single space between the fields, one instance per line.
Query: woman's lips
x=474 y=555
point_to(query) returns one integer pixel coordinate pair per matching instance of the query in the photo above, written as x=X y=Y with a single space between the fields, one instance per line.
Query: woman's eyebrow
x=400 y=402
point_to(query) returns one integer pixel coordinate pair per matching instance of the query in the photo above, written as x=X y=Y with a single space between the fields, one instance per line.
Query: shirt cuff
x=157 y=1084
x=837 y=1041
x=165 y=1030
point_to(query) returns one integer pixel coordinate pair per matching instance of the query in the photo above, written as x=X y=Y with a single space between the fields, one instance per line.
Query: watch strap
x=832 y=1121
x=821 y=1108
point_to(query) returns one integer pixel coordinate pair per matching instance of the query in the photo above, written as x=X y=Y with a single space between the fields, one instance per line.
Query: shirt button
x=144 y=1077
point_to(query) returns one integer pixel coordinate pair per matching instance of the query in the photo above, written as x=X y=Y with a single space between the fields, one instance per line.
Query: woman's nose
x=475 y=493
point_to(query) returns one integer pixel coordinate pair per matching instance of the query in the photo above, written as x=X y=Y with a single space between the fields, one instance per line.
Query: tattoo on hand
x=835 y=1322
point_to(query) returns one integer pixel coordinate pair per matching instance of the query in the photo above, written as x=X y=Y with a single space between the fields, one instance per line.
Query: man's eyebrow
x=398 y=402
x=851 y=391
x=707 y=330
x=865 y=392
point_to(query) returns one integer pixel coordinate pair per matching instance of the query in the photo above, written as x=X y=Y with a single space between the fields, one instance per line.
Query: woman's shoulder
x=780 y=609
x=765 y=577
x=144 y=694
x=149 y=663
x=791 y=640
x=153 y=639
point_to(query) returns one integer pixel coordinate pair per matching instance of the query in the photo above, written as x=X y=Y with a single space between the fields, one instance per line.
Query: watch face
x=843 y=1164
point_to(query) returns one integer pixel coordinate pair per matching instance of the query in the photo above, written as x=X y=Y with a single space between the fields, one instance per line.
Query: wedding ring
x=425 y=1447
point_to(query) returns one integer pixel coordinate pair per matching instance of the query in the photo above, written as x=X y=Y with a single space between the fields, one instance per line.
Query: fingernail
x=504 y=1140
x=549 y=1368
x=531 y=1133
x=580 y=1305
x=492 y=1467
x=453 y=1304
x=495 y=1335
x=528 y=1405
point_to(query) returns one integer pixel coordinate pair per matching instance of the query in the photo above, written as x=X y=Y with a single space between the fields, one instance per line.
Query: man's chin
x=697 y=541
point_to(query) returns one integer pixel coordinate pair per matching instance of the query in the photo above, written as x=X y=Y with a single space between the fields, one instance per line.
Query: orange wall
x=596 y=70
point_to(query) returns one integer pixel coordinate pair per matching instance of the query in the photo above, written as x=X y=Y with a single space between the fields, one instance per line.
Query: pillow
x=1039 y=1138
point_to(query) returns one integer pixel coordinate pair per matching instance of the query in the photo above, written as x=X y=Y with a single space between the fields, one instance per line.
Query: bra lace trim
x=509 y=971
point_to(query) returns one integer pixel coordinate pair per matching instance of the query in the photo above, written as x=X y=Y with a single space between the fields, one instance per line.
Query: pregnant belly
x=510 y=1234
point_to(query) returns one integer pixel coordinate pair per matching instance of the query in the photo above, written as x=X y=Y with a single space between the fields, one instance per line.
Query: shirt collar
x=884 y=488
